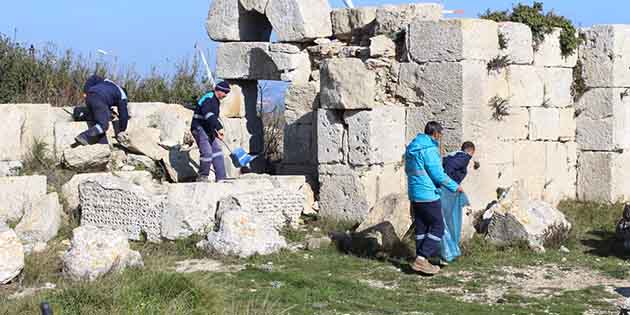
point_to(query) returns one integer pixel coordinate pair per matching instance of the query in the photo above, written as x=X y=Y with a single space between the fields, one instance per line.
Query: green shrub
x=540 y=23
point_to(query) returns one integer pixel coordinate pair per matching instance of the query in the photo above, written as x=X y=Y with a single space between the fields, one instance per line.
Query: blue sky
x=145 y=33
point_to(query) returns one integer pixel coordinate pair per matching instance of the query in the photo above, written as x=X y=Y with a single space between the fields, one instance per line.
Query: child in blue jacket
x=456 y=163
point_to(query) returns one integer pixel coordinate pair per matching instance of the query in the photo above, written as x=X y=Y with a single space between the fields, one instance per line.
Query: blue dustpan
x=240 y=158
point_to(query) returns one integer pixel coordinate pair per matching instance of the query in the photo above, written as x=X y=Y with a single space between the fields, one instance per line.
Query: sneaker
x=422 y=265
x=438 y=261
x=81 y=140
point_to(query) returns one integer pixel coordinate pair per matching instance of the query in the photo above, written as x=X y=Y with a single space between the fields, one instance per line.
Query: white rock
x=332 y=141
x=394 y=209
x=41 y=221
x=346 y=83
x=12 y=120
x=393 y=19
x=514 y=126
x=376 y=136
x=244 y=234
x=544 y=123
x=299 y=20
x=568 y=124
x=557 y=86
x=529 y=168
x=65 y=132
x=38 y=126
x=605 y=56
x=452 y=40
x=11 y=255
x=549 y=53
x=233 y=105
x=227 y=21
x=382 y=46
x=603 y=120
x=87 y=157
x=17 y=194
x=518 y=41
x=96 y=252
x=10 y=168
x=300 y=101
x=349 y=22
x=560 y=172
x=526 y=87
x=256 y=5
x=602 y=177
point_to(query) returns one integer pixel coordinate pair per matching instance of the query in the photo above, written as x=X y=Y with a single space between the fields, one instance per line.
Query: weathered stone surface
x=37 y=127
x=417 y=118
x=191 y=208
x=233 y=105
x=514 y=126
x=529 y=168
x=96 y=252
x=88 y=157
x=300 y=101
x=299 y=20
x=61 y=114
x=12 y=120
x=605 y=56
x=299 y=144
x=11 y=254
x=10 y=168
x=560 y=172
x=527 y=88
x=602 y=177
x=243 y=234
x=603 y=120
x=65 y=132
x=256 y=5
x=382 y=46
x=518 y=42
x=349 y=22
x=393 y=19
x=568 y=124
x=141 y=162
x=346 y=83
x=180 y=164
x=263 y=61
x=17 y=194
x=41 y=221
x=205 y=265
x=279 y=207
x=145 y=141
x=230 y=21
x=549 y=53
x=395 y=209
x=544 y=123
x=452 y=40
x=332 y=141
x=315 y=243
x=376 y=136
x=557 y=86
x=120 y=204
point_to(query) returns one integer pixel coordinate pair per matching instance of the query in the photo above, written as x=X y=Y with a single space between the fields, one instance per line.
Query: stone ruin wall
x=375 y=75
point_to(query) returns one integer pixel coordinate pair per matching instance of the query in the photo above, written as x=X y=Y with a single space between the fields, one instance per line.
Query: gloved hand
x=122 y=138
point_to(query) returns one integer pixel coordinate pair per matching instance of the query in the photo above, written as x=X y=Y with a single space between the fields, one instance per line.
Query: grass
x=329 y=282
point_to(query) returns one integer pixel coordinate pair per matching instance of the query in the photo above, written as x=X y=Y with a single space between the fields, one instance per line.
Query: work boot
x=422 y=265
x=203 y=179
x=82 y=139
x=438 y=261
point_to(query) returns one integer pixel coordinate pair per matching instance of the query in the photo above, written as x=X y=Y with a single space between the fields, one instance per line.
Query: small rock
x=317 y=243
x=564 y=259
x=87 y=157
x=205 y=265
x=11 y=255
x=564 y=249
x=31 y=291
x=276 y=284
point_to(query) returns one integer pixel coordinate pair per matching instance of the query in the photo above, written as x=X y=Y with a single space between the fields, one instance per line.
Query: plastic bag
x=452 y=208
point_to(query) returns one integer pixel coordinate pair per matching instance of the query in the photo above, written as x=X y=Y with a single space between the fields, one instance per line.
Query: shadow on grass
x=603 y=244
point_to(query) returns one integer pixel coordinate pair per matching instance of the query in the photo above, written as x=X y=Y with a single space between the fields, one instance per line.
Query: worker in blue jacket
x=423 y=166
x=208 y=131
x=101 y=95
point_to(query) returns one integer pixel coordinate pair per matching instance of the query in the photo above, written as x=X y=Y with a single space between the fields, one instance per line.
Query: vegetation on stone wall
x=541 y=24
x=45 y=75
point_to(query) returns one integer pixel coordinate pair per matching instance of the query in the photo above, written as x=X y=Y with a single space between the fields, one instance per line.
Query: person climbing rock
x=101 y=95
x=208 y=131
x=423 y=166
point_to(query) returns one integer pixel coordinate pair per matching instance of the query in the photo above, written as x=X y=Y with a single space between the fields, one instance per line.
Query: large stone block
x=417 y=118
x=568 y=124
x=346 y=83
x=549 y=53
x=64 y=136
x=376 y=136
x=560 y=172
x=544 y=123
x=263 y=61
x=300 y=101
x=529 y=166
x=603 y=120
x=11 y=254
x=11 y=168
x=299 y=144
x=228 y=20
x=514 y=126
x=90 y=157
x=255 y=5
x=299 y=20
x=279 y=207
x=527 y=88
x=41 y=222
x=557 y=86
x=37 y=127
x=393 y=19
x=233 y=105
x=605 y=56
x=517 y=38
x=452 y=40
x=12 y=120
x=350 y=22
x=18 y=193
x=602 y=177
x=382 y=46
x=332 y=138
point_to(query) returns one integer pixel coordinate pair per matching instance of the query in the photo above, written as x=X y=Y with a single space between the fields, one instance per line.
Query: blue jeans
x=211 y=155
x=429 y=227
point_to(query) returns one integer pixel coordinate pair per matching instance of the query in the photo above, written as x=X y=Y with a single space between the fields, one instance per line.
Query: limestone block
x=603 y=120
x=119 y=204
x=481 y=185
x=300 y=101
x=602 y=177
x=299 y=144
x=279 y=207
x=10 y=168
x=518 y=42
x=393 y=19
x=96 y=252
x=382 y=46
x=140 y=162
x=262 y=61
x=349 y=22
x=605 y=56
x=557 y=86
x=526 y=87
x=61 y=114
x=299 y=20
x=409 y=88
x=229 y=21
x=37 y=127
x=332 y=138
x=256 y=5
x=417 y=118
x=18 y=193
x=549 y=53
x=65 y=132
x=346 y=83
x=243 y=234
x=70 y=190
x=300 y=184
x=544 y=123
x=529 y=168
x=233 y=105
x=41 y=221
x=452 y=40
x=12 y=120
x=395 y=209
x=514 y=126
x=191 y=207
x=11 y=255
x=568 y=124
x=560 y=171
x=376 y=136
x=88 y=157
x=144 y=109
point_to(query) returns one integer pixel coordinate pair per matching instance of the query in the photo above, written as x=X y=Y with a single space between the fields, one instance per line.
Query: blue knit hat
x=223 y=87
